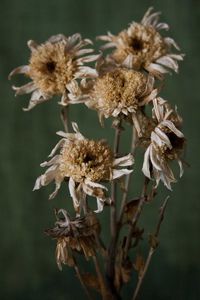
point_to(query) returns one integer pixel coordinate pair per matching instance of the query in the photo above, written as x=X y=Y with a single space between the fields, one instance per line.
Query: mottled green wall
x=28 y=269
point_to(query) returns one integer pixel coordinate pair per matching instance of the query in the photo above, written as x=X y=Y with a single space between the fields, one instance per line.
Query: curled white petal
x=73 y=193
x=146 y=164
x=172 y=127
x=124 y=161
x=120 y=173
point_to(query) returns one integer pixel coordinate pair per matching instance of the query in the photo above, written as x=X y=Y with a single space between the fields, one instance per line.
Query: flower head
x=166 y=144
x=54 y=68
x=141 y=46
x=77 y=234
x=120 y=93
x=85 y=163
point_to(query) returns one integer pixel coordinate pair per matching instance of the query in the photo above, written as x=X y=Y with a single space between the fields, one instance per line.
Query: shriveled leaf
x=153 y=241
x=91 y=281
x=139 y=264
x=130 y=209
x=126 y=270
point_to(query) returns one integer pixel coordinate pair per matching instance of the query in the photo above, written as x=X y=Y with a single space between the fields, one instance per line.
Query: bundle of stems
x=124 y=84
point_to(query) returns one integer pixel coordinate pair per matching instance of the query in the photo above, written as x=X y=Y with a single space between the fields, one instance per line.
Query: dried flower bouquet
x=124 y=84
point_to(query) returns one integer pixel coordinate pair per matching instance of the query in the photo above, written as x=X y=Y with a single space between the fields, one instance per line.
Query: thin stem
x=151 y=250
x=78 y=273
x=128 y=177
x=104 y=292
x=136 y=216
x=113 y=184
x=101 y=245
x=64 y=115
x=110 y=264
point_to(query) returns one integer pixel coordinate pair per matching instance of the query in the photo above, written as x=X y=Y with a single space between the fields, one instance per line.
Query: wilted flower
x=77 y=234
x=142 y=46
x=121 y=93
x=166 y=144
x=54 y=68
x=85 y=163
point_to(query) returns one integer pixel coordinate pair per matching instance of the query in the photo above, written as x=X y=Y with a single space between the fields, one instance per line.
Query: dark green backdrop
x=28 y=270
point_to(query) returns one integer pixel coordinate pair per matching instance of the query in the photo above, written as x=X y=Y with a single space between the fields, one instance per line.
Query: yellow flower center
x=51 y=68
x=119 y=89
x=89 y=159
x=144 y=42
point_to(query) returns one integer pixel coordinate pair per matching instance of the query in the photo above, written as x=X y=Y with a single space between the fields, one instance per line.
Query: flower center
x=136 y=44
x=86 y=159
x=144 y=42
x=51 y=65
x=119 y=91
x=51 y=68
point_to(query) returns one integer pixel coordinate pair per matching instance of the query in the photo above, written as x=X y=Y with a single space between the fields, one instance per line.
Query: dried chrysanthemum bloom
x=121 y=93
x=85 y=163
x=54 y=68
x=141 y=46
x=77 y=234
x=166 y=145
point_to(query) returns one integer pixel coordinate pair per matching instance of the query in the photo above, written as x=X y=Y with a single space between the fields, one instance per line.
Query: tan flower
x=54 y=68
x=142 y=46
x=120 y=93
x=77 y=234
x=85 y=163
x=166 y=145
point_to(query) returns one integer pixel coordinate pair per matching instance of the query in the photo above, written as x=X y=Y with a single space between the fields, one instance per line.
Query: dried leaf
x=139 y=264
x=130 y=210
x=126 y=270
x=91 y=281
x=153 y=241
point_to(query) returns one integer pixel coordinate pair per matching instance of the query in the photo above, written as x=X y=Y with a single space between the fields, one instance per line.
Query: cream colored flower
x=77 y=234
x=166 y=145
x=121 y=93
x=85 y=163
x=141 y=46
x=54 y=68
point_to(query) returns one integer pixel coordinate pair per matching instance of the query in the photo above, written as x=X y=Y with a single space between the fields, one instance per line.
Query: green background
x=28 y=269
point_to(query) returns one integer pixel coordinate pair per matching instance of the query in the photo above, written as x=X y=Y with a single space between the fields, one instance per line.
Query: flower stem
x=128 y=177
x=110 y=264
x=136 y=216
x=64 y=115
x=78 y=273
x=113 y=184
x=104 y=292
x=151 y=250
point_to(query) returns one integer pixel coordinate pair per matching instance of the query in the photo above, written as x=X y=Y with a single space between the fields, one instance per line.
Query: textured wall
x=28 y=269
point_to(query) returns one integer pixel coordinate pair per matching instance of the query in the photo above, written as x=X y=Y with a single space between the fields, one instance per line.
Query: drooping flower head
x=78 y=234
x=120 y=93
x=141 y=46
x=85 y=163
x=54 y=68
x=166 y=144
